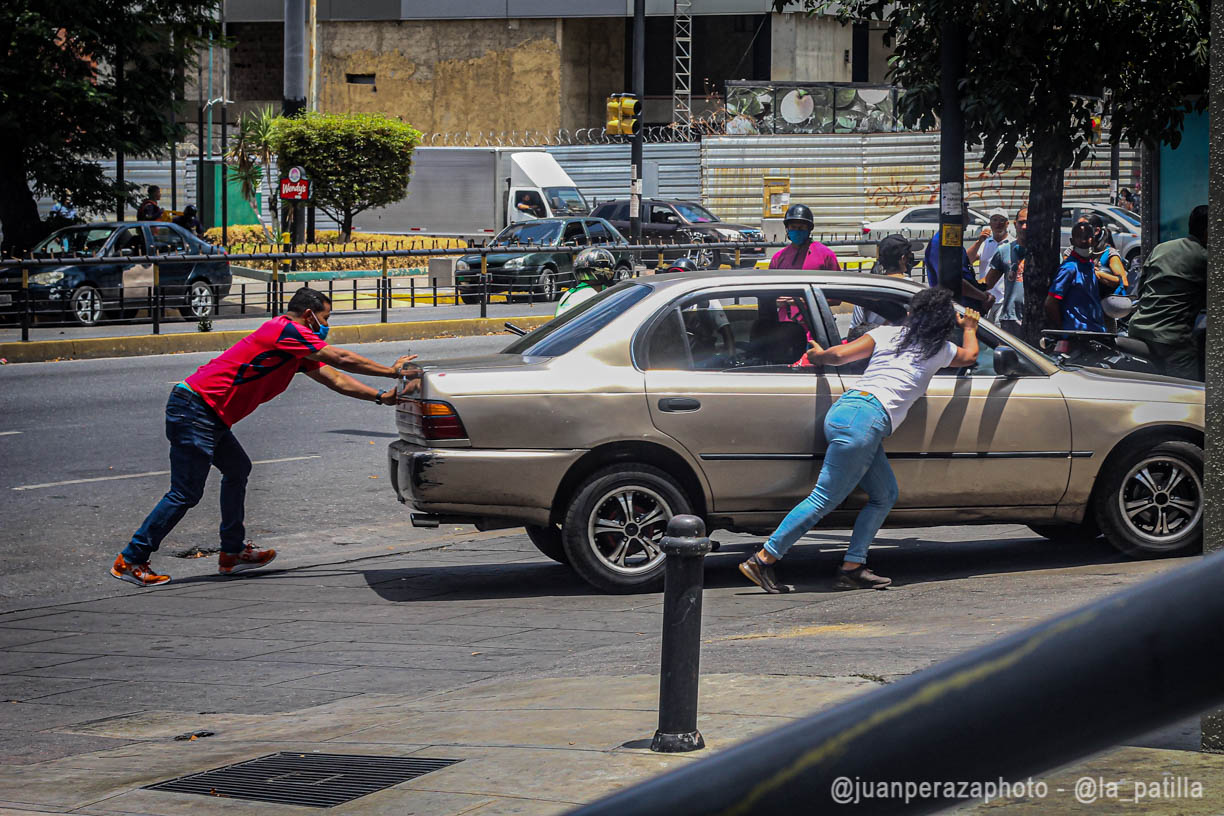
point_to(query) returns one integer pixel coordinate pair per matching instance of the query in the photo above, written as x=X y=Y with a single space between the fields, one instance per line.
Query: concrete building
x=531 y=65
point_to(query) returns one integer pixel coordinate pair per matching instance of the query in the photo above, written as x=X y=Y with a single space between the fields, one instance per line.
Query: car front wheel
x=614 y=523
x=546 y=287
x=1150 y=503
x=201 y=300
x=86 y=305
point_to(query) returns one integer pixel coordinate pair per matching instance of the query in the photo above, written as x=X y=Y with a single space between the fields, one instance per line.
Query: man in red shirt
x=204 y=407
x=803 y=252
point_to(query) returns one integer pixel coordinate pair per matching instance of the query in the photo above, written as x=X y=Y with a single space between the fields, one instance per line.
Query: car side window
x=749 y=330
x=1067 y=218
x=927 y=215
x=598 y=232
x=166 y=239
x=130 y=238
x=663 y=214
x=574 y=234
x=619 y=213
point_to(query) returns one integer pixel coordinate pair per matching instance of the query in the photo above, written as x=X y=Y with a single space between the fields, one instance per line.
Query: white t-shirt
x=897 y=379
x=989 y=247
x=860 y=316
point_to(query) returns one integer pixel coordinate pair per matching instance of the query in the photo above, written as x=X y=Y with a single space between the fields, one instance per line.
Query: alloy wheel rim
x=201 y=300
x=1161 y=502
x=550 y=286
x=88 y=306
x=626 y=527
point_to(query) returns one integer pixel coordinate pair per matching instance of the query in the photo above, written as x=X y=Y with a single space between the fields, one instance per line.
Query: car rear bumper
x=464 y=485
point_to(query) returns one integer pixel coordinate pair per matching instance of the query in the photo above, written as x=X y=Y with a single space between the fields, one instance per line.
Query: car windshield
x=566 y=201
x=1125 y=215
x=695 y=213
x=540 y=232
x=89 y=240
x=578 y=324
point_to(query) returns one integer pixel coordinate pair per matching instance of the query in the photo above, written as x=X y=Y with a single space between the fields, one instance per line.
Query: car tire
x=85 y=304
x=548 y=541
x=1069 y=534
x=201 y=300
x=1150 y=502
x=469 y=297
x=546 y=287
x=623 y=272
x=620 y=559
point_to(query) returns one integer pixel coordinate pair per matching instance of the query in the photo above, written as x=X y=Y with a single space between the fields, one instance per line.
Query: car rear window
x=578 y=324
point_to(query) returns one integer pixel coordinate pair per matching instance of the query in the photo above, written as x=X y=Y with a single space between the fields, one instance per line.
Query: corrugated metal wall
x=850 y=178
x=602 y=171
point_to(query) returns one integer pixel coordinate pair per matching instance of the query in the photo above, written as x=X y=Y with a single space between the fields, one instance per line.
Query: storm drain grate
x=308 y=780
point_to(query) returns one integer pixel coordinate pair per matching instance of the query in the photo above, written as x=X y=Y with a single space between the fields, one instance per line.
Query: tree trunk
x=1044 y=242
x=346 y=227
x=18 y=208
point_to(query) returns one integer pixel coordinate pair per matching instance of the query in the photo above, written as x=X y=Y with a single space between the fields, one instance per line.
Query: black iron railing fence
x=150 y=286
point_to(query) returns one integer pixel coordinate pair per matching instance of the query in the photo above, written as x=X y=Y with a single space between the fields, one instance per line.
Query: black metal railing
x=28 y=293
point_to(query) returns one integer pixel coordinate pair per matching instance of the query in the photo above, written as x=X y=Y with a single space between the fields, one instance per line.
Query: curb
x=90 y=348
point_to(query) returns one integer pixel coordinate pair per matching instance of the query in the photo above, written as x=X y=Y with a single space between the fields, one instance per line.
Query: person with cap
x=1110 y=272
x=189 y=221
x=1007 y=268
x=969 y=295
x=895 y=259
x=803 y=252
x=595 y=271
x=988 y=242
x=1074 y=300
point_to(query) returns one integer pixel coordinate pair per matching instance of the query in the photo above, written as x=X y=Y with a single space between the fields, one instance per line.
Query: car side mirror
x=125 y=251
x=671 y=218
x=1007 y=362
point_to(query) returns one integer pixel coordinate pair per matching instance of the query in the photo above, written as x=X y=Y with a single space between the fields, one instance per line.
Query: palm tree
x=251 y=159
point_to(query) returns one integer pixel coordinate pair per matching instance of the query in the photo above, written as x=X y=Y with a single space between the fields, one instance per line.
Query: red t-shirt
x=256 y=368
x=818 y=256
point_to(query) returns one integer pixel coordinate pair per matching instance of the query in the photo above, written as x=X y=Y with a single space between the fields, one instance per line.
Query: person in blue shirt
x=970 y=294
x=1074 y=302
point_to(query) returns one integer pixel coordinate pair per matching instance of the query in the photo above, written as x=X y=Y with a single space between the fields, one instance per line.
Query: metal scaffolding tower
x=682 y=63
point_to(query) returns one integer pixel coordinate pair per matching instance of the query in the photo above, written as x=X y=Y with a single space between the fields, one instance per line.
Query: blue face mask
x=321 y=331
x=797 y=236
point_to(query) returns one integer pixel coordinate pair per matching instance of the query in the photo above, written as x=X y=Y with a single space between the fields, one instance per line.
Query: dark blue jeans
x=198 y=440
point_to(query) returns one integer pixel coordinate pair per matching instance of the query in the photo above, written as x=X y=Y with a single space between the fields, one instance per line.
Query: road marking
x=9 y=433
x=150 y=473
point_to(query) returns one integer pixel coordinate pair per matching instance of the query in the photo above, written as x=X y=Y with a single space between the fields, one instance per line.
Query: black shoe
x=860 y=578
x=761 y=573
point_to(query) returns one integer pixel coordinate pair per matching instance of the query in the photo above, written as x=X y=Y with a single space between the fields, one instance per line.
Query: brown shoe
x=860 y=578
x=250 y=558
x=141 y=575
x=761 y=573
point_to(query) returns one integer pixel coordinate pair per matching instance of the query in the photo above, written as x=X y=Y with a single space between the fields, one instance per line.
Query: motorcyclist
x=682 y=264
x=594 y=270
x=803 y=252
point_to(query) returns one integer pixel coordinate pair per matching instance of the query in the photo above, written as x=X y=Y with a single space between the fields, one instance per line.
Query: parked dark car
x=89 y=293
x=530 y=262
x=671 y=221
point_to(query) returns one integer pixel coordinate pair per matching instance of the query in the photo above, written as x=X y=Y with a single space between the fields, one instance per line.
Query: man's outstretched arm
x=351 y=361
x=342 y=383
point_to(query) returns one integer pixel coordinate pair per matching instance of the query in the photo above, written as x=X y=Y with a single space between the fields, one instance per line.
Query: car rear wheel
x=614 y=523
x=470 y=296
x=548 y=541
x=201 y=300
x=624 y=272
x=86 y=305
x=1150 y=503
x=546 y=286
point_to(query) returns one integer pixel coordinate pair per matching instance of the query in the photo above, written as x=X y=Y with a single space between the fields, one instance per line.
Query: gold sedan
x=686 y=394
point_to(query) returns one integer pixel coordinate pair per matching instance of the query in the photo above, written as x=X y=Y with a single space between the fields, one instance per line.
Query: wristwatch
x=379 y=396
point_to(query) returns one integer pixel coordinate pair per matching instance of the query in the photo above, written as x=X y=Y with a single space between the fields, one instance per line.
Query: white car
x=1123 y=224
x=919 y=224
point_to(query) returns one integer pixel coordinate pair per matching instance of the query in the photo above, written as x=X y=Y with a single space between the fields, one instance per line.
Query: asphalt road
x=85 y=459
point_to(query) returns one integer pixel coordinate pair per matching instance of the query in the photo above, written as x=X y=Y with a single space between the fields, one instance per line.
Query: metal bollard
x=484 y=283
x=25 y=305
x=686 y=546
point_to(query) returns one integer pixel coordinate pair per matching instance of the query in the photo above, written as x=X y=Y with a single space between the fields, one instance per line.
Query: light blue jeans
x=855 y=429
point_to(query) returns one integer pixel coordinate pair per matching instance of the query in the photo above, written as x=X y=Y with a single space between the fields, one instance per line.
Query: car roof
x=655 y=200
x=750 y=276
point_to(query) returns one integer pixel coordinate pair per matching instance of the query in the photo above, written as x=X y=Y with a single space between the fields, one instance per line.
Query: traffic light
x=624 y=111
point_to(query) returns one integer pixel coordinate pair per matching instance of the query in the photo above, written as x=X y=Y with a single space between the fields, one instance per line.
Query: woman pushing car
x=902 y=361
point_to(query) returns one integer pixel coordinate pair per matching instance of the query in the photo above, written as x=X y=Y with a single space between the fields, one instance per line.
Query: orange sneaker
x=250 y=558
x=138 y=574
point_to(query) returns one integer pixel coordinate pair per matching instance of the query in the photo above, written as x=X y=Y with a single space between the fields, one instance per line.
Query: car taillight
x=866 y=230
x=440 y=421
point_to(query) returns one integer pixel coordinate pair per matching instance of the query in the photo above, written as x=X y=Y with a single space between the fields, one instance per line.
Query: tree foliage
x=354 y=161
x=250 y=157
x=1037 y=71
x=78 y=80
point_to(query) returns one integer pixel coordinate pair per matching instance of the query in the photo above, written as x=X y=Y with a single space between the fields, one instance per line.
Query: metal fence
x=152 y=293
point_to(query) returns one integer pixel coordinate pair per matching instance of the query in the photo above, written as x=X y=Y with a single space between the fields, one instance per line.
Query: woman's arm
x=1119 y=268
x=860 y=349
x=967 y=354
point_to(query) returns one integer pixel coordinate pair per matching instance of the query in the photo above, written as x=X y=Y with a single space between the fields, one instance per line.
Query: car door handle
x=678 y=404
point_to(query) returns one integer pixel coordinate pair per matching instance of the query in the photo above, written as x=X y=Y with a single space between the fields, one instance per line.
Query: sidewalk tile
x=15 y=687
x=30 y=717
x=26 y=747
x=409 y=613
x=388 y=680
x=372 y=654
x=200 y=625
x=548 y=618
x=564 y=640
x=237 y=697
x=182 y=670
x=435 y=634
x=168 y=646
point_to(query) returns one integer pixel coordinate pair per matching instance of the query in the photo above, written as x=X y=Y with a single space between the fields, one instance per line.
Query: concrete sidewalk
x=478 y=650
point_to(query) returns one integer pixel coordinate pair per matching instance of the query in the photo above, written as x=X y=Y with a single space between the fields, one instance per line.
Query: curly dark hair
x=931 y=319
